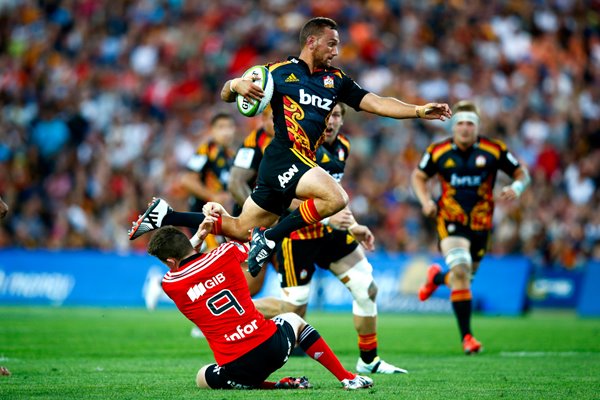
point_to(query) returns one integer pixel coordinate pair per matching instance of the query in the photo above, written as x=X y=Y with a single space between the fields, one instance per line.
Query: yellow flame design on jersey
x=294 y=113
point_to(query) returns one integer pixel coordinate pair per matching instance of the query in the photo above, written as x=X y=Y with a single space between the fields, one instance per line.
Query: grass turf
x=76 y=353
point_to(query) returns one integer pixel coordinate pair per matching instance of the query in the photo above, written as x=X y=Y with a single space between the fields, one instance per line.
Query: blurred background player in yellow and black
x=467 y=165
x=243 y=174
x=207 y=172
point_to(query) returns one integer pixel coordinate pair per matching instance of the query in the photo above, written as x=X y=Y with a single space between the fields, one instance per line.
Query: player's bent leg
x=328 y=195
x=356 y=273
x=269 y=306
x=252 y=215
x=201 y=377
x=297 y=322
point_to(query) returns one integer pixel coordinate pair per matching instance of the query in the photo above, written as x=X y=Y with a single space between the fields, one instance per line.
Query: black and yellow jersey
x=332 y=158
x=302 y=102
x=251 y=152
x=211 y=162
x=467 y=179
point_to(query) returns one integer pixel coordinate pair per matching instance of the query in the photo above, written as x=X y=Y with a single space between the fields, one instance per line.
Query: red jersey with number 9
x=210 y=289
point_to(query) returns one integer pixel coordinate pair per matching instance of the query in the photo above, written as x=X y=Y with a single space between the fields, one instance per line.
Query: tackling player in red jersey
x=467 y=165
x=210 y=290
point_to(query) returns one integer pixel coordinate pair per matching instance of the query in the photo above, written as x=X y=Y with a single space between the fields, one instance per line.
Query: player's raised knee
x=201 y=378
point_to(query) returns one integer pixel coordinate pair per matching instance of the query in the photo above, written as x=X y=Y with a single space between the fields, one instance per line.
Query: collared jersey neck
x=301 y=62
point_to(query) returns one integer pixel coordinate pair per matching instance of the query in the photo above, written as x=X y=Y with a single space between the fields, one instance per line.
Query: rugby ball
x=262 y=78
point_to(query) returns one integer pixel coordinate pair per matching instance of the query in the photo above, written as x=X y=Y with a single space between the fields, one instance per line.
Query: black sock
x=440 y=278
x=368 y=355
x=188 y=219
x=308 y=337
x=285 y=226
x=462 y=311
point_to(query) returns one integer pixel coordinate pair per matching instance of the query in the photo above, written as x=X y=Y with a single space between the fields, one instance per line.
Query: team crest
x=480 y=161
x=328 y=81
x=341 y=154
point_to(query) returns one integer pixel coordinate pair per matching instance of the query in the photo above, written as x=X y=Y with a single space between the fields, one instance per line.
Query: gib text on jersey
x=302 y=102
x=211 y=291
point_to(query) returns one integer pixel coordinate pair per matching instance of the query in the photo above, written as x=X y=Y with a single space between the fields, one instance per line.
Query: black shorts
x=278 y=175
x=297 y=258
x=254 y=367
x=479 y=239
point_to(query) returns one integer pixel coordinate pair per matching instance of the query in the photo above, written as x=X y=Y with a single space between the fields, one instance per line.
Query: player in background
x=207 y=172
x=243 y=174
x=306 y=88
x=205 y=180
x=210 y=290
x=467 y=165
x=3 y=208
x=334 y=249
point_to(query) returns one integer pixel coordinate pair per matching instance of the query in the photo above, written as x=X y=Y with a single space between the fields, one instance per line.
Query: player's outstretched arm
x=394 y=108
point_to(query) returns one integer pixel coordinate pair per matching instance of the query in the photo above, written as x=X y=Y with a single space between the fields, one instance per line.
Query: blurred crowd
x=103 y=103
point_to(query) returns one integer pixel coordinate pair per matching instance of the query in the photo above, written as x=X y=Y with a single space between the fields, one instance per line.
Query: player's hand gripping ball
x=262 y=78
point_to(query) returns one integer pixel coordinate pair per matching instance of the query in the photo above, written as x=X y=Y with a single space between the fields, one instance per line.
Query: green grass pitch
x=91 y=353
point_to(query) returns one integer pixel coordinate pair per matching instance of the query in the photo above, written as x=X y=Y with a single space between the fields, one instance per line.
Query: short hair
x=221 y=115
x=169 y=242
x=342 y=108
x=465 y=105
x=314 y=27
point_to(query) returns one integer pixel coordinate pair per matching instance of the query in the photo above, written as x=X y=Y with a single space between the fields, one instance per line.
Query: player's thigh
x=296 y=260
x=294 y=320
x=340 y=252
x=253 y=215
x=316 y=183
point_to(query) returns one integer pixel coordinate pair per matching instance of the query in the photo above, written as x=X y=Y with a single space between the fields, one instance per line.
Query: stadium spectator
x=3 y=208
x=467 y=165
x=247 y=347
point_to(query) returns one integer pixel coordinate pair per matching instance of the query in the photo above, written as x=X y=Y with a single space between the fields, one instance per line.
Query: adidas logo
x=262 y=255
x=317 y=355
x=449 y=163
x=292 y=78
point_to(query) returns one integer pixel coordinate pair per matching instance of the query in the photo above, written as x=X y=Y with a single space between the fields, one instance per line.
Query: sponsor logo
x=241 y=331
x=456 y=180
x=328 y=82
x=314 y=100
x=292 y=78
x=286 y=176
x=480 y=161
x=196 y=291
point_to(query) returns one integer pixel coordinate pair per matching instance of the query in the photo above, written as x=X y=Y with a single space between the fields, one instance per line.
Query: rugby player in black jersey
x=331 y=245
x=467 y=165
x=306 y=88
